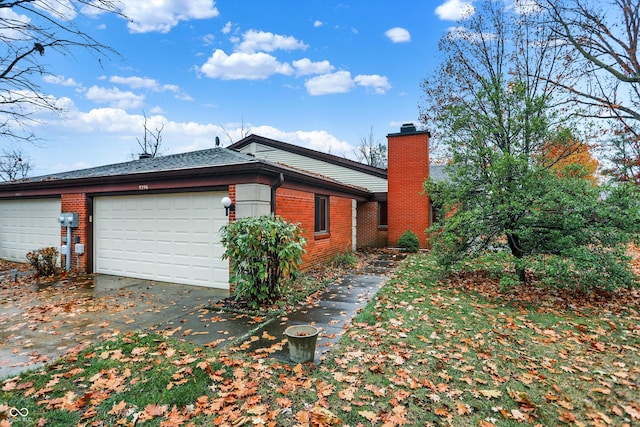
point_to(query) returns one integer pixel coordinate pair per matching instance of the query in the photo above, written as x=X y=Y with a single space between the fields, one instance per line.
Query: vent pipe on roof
x=144 y=156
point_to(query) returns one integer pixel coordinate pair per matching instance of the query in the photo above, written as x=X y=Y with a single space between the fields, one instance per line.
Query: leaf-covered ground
x=422 y=353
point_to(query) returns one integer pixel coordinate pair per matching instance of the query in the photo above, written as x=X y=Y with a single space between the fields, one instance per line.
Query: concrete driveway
x=40 y=322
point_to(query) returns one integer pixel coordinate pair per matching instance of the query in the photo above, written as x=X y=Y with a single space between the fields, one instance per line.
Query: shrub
x=264 y=254
x=344 y=260
x=409 y=242
x=44 y=261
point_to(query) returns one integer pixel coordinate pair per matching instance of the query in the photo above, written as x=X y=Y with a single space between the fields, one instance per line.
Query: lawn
x=422 y=353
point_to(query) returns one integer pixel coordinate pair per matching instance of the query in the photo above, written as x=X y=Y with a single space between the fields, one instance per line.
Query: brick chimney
x=407 y=169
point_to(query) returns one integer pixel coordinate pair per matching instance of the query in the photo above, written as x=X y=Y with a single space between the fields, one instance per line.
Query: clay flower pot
x=302 y=342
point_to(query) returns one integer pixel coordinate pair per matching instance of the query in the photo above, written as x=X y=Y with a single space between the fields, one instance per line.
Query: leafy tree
x=496 y=123
x=264 y=254
x=568 y=157
x=604 y=73
x=30 y=30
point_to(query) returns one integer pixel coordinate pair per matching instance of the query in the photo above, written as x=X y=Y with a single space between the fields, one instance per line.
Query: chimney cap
x=407 y=128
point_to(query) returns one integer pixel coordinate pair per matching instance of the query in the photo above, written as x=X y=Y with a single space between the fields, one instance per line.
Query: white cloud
x=317 y=23
x=462 y=33
x=454 y=10
x=114 y=97
x=227 y=28
x=63 y=9
x=338 y=82
x=314 y=139
x=398 y=35
x=380 y=84
x=241 y=65
x=305 y=67
x=262 y=41
x=163 y=15
x=208 y=39
x=525 y=7
x=8 y=15
x=136 y=82
x=114 y=131
x=60 y=80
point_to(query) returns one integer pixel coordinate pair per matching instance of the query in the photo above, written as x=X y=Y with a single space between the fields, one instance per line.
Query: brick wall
x=298 y=206
x=408 y=167
x=76 y=203
x=369 y=234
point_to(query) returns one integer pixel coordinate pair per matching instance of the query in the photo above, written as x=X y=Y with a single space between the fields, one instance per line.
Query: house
x=159 y=218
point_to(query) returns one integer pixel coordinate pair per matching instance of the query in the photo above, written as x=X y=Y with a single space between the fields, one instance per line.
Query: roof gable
x=318 y=155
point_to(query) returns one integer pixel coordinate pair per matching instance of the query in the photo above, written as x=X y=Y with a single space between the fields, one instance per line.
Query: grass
x=423 y=352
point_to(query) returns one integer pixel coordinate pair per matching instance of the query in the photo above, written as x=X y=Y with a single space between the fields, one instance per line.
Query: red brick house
x=159 y=218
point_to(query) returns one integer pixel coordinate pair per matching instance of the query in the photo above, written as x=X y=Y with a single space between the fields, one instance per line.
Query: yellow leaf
x=369 y=415
x=489 y=394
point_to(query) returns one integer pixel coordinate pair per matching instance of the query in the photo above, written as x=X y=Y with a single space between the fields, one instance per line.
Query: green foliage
x=44 y=261
x=264 y=255
x=409 y=241
x=344 y=260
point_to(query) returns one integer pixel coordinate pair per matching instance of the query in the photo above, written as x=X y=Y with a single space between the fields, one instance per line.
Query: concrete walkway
x=41 y=322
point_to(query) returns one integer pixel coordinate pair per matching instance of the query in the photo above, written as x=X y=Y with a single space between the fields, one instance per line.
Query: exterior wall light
x=227 y=205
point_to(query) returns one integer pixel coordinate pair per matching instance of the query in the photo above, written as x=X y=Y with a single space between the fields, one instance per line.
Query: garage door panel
x=26 y=225
x=168 y=237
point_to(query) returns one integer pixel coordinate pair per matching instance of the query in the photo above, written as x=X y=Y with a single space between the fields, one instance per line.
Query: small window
x=382 y=214
x=322 y=214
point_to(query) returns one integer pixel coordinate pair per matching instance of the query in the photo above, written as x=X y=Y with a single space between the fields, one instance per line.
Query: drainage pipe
x=274 y=187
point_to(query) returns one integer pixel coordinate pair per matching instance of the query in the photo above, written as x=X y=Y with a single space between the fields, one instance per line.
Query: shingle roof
x=218 y=156
x=438 y=173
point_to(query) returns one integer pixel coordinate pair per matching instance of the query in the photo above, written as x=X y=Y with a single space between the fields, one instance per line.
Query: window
x=321 y=214
x=382 y=214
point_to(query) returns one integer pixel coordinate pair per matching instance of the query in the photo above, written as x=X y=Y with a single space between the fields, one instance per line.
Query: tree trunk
x=514 y=244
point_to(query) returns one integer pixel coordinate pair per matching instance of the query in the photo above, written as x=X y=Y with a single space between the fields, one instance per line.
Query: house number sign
x=143 y=187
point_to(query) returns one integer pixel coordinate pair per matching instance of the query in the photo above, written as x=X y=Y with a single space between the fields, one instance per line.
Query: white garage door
x=26 y=225
x=169 y=237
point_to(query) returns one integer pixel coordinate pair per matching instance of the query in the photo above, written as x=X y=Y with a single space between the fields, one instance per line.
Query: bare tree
x=14 y=164
x=605 y=69
x=371 y=152
x=30 y=30
x=151 y=142
x=245 y=130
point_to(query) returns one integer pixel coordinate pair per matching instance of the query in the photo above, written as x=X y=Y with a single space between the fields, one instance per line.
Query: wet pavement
x=39 y=323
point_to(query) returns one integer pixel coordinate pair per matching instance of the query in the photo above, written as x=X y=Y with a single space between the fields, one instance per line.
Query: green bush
x=44 y=261
x=344 y=260
x=409 y=242
x=264 y=254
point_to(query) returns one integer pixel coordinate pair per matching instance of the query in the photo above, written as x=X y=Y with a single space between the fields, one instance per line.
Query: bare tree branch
x=29 y=31
x=14 y=164
x=151 y=141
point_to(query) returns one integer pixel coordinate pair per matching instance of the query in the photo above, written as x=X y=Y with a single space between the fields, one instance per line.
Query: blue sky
x=317 y=73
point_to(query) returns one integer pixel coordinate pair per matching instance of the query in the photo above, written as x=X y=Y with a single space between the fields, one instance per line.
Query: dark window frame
x=383 y=214
x=321 y=214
